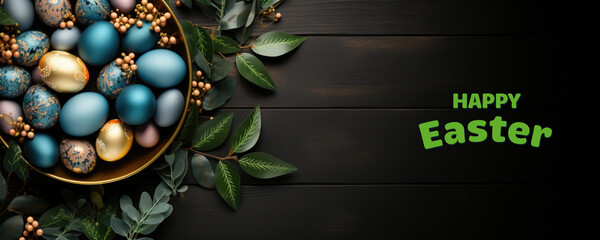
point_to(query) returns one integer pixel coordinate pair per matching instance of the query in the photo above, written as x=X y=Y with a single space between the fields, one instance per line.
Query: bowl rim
x=165 y=147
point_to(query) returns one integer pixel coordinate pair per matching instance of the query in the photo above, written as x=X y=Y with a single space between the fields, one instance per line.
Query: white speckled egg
x=65 y=39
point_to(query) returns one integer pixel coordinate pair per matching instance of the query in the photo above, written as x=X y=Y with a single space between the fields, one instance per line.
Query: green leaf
x=205 y=44
x=189 y=31
x=187 y=3
x=247 y=133
x=132 y=213
x=28 y=205
x=237 y=16
x=243 y=34
x=275 y=44
x=265 y=166
x=203 y=2
x=219 y=94
x=119 y=226
x=220 y=69
x=12 y=228
x=268 y=3
x=3 y=187
x=212 y=133
x=189 y=125
x=203 y=172
x=228 y=184
x=12 y=157
x=145 y=202
x=253 y=10
x=226 y=45
x=254 y=71
x=201 y=62
x=90 y=229
x=59 y=216
x=5 y=19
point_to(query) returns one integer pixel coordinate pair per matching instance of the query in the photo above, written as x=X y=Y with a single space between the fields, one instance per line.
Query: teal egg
x=140 y=39
x=91 y=11
x=169 y=107
x=98 y=44
x=161 y=68
x=135 y=104
x=65 y=39
x=51 y=12
x=78 y=155
x=41 y=107
x=112 y=80
x=14 y=81
x=84 y=114
x=42 y=151
x=32 y=46
x=21 y=11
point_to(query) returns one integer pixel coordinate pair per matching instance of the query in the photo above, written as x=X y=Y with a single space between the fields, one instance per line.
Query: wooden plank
x=419 y=72
x=379 y=212
x=418 y=17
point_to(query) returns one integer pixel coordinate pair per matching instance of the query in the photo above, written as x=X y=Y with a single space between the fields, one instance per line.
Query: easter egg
x=140 y=39
x=147 y=135
x=169 y=107
x=135 y=104
x=77 y=155
x=14 y=81
x=65 y=38
x=91 y=11
x=114 y=140
x=51 y=12
x=35 y=75
x=21 y=11
x=63 y=72
x=41 y=107
x=98 y=44
x=42 y=151
x=32 y=46
x=161 y=68
x=124 y=6
x=10 y=111
x=112 y=80
x=83 y=114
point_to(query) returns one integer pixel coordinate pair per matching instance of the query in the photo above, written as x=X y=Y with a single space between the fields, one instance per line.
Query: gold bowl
x=138 y=157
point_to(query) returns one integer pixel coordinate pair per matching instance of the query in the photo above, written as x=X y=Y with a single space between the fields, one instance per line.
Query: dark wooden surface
x=347 y=110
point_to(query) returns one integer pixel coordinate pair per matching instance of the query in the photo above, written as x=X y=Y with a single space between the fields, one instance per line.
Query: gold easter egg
x=114 y=140
x=63 y=72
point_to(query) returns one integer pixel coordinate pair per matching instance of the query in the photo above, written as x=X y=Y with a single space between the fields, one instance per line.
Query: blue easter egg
x=32 y=46
x=98 y=44
x=51 y=12
x=84 y=114
x=169 y=107
x=14 y=81
x=42 y=151
x=135 y=104
x=140 y=39
x=65 y=39
x=21 y=11
x=112 y=80
x=91 y=11
x=41 y=107
x=161 y=68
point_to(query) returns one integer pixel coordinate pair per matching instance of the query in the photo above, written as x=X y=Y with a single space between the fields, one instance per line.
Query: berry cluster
x=199 y=89
x=126 y=63
x=20 y=129
x=166 y=41
x=122 y=22
x=8 y=47
x=31 y=229
x=68 y=21
x=147 y=11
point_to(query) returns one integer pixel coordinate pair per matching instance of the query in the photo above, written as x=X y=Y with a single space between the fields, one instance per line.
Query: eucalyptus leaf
x=226 y=45
x=228 y=184
x=202 y=63
x=125 y=201
x=254 y=71
x=253 y=10
x=180 y=167
x=28 y=205
x=5 y=19
x=220 y=69
x=12 y=228
x=275 y=44
x=205 y=44
x=202 y=171
x=265 y=166
x=133 y=213
x=219 y=94
x=189 y=125
x=268 y=3
x=183 y=189
x=212 y=133
x=145 y=202
x=237 y=16
x=247 y=133
x=119 y=226
x=243 y=34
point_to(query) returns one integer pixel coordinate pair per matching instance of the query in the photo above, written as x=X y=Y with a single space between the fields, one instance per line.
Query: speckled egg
x=161 y=68
x=91 y=11
x=42 y=151
x=135 y=104
x=14 y=81
x=41 y=107
x=83 y=114
x=10 y=111
x=21 y=11
x=114 y=140
x=32 y=46
x=63 y=72
x=78 y=155
x=124 y=6
x=140 y=39
x=169 y=107
x=51 y=12
x=65 y=38
x=98 y=44
x=112 y=80
x=147 y=135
